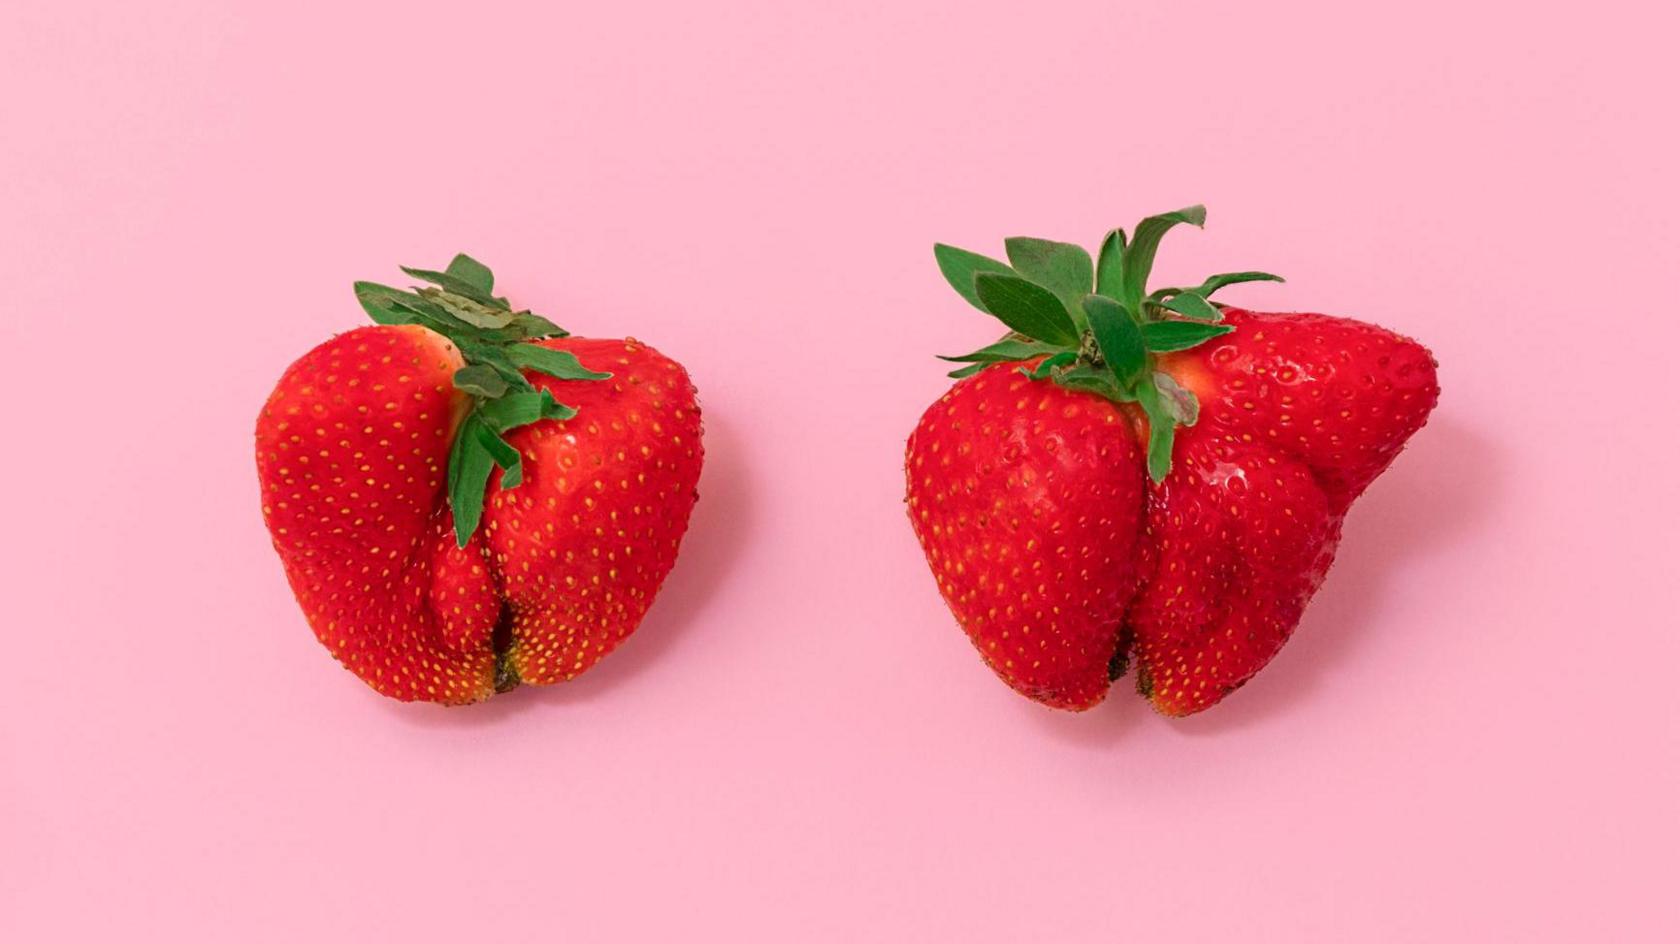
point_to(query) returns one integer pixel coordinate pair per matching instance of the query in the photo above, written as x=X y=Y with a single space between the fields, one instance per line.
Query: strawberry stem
x=1095 y=326
x=494 y=340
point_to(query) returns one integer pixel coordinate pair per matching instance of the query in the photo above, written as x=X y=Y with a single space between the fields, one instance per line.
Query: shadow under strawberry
x=1446 y=489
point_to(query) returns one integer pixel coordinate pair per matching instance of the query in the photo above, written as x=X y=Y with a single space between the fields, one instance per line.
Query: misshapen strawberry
x=374 y=454
x=1299 y=413
x=1258 y=432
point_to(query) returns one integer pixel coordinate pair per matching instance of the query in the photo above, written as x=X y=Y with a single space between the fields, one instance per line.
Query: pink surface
x=1472 y=737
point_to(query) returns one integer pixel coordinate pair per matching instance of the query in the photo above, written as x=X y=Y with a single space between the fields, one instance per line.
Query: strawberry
x=374 y=455
x=1146 y=474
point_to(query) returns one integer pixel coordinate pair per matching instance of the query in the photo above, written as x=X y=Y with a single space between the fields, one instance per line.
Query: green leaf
x=1161 y=428
x=1117 y=337
x=1176 y=401
x=555 y=410
x=469 y=473
x=968 y=371
x=472 y=272
x=475 y=313
x=1050 y=363
x=562 y=365
x=393 y=306
x=1164 y=336
x=1110 y=272
x=1139 y=256
x=1027 y=308
x=480 y=380
x=494 y=356
x=1161 y=436
x=502 y=454
x=960 y=266
x=449 y=313
x=376 y=300
x=1084 y=377
x=1063 y=268
x=1216 y=282
x=536 y=326
x=1009 y=349
x=454 y=285
x=1192 y=305
x=521 y=409
x=420 y=310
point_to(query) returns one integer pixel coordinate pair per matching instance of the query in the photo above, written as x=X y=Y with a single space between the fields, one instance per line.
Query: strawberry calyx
x=1095 y=327
x=494 y=340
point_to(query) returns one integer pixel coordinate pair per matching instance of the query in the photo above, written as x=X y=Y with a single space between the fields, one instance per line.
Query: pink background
x=1472 y=737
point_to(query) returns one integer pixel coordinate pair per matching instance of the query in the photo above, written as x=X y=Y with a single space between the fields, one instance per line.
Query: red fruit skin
x=1299 y=413
x=1055 y=552
x=1343 y=396
x=352 y=456
x=1027 y=498
x=583 y=544
x=1240 y=538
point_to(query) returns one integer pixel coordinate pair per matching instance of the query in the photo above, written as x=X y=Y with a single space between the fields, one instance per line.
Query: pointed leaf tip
x=1161 y=428
x=1216 y=282
x=1193 y=305
x=454 y=284
x=1009 y=349
x=1166 y=336
x=536 y=326
x=377 y=301
x=469 y=473
x=1110 y=272
x=1139 y=257
x=561 y=365
x=473 y=272
x=959 y=266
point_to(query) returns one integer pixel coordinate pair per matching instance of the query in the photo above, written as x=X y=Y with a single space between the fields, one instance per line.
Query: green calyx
x=495 y=342
x=1095 y=325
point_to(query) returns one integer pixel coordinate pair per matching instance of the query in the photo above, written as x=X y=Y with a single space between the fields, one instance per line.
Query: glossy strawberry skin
x=1343 y=396
x=1299 y=413
x=1239 y=539
x=352 y=451
x=1026 y=498
x=583 y=544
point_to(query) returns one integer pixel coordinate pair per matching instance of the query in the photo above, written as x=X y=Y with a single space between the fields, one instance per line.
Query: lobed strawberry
x=374 y=456
x=1257 y=432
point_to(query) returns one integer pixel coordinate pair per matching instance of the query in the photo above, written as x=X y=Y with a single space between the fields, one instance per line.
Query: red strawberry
x=1259 y=431
x=374 y=454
